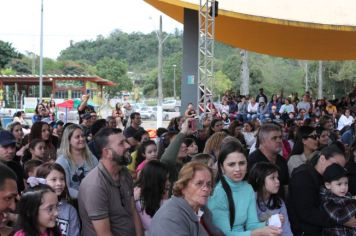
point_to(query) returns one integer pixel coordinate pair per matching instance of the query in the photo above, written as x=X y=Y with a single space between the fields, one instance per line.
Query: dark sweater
x=304 y=203
x=351 y=168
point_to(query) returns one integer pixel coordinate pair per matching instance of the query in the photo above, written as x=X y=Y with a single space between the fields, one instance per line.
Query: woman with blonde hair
x=75 y=157
x=213 y=144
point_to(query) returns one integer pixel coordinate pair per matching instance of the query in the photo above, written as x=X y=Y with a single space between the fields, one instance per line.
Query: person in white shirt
x=287 y=107
x=346 y=119
x=252 y=109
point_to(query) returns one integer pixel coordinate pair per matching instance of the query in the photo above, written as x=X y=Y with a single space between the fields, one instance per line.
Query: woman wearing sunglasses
x=306 y=143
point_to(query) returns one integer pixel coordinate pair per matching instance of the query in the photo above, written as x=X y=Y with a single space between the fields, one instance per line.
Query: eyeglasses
x=51 y=209
x=79 y=175
x=313 y=136
x=201 y=185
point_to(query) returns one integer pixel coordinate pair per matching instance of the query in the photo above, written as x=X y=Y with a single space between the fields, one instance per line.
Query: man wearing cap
x=58 y=129
x=7 y=154
x=86 y=123
x=336 y=200
x=84 y=107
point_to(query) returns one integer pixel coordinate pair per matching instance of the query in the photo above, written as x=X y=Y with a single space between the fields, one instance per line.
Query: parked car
x=171 y=105
x=136 y=107
x=168 y=115
x=148 y=112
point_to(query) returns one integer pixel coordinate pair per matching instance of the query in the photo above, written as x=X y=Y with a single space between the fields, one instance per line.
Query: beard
x=121 y=160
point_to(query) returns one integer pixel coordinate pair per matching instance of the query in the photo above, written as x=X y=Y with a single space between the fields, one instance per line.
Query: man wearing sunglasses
x=105 y=199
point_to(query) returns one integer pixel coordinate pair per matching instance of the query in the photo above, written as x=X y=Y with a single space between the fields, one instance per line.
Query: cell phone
x=88 y=91
x=193 y=124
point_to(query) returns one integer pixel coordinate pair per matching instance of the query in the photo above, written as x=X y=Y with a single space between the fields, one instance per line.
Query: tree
x=221 y=84
x=7 y=52
x=231 y=67
x=149 y=86
x=20 y=66
x=116 y=71
x=168 y=74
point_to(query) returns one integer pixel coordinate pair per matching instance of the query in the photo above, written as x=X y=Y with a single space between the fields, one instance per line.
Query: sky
x=77 y=20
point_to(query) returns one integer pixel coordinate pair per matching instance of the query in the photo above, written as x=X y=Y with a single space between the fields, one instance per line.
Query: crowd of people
x=247 y=166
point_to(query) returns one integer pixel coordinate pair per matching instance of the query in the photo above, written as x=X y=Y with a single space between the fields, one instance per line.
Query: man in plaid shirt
x=337 y=202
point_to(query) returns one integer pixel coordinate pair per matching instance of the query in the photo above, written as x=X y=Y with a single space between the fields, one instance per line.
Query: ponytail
x=230 y=199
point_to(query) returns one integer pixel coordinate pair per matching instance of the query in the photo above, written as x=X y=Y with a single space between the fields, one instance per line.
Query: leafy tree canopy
x=116 y=71
x=7 y=53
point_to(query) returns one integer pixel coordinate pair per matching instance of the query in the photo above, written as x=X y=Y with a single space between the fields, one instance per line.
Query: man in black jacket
x=270 y=144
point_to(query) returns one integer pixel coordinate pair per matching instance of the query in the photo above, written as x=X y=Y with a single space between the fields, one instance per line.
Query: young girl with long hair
x=75 y=157
x=41 y=130
x=192 y=148
x=67 y=219
x=37 y=148
x=40 y=113
x=146 y=152
x=238 y=214
x=151 y=190
x=38 y=211
x=264 y=179
x=16 y=129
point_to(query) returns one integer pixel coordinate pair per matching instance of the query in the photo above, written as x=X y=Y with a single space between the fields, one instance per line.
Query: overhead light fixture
x=215 y=6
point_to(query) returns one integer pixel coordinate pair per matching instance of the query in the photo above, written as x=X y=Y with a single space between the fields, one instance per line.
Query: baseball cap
x=58 y=122
x=86 y=116
x=7 y=138
x=334 y=172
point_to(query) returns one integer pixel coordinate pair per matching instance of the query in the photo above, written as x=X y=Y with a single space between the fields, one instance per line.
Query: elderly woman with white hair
x=185 y=213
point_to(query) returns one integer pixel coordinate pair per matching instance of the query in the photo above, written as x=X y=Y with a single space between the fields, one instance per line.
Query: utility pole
x=41 y=55
x=159 y=77
x=320 y=80
x=174 y=81
x=245 y=73
x=306 y=76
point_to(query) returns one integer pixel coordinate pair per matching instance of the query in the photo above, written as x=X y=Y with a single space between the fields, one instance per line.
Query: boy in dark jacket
x=336 y=201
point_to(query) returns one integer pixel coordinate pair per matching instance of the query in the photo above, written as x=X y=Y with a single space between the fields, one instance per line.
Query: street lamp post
x=41 y=56
x=160 y=56
x=174 y=81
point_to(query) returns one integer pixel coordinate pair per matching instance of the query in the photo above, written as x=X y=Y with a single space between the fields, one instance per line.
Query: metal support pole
x=160 y=59
x=160 y=93
x=41 y=55
x=306 y=76
x=174 y=82
x=320 y=80
x=206 y=54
